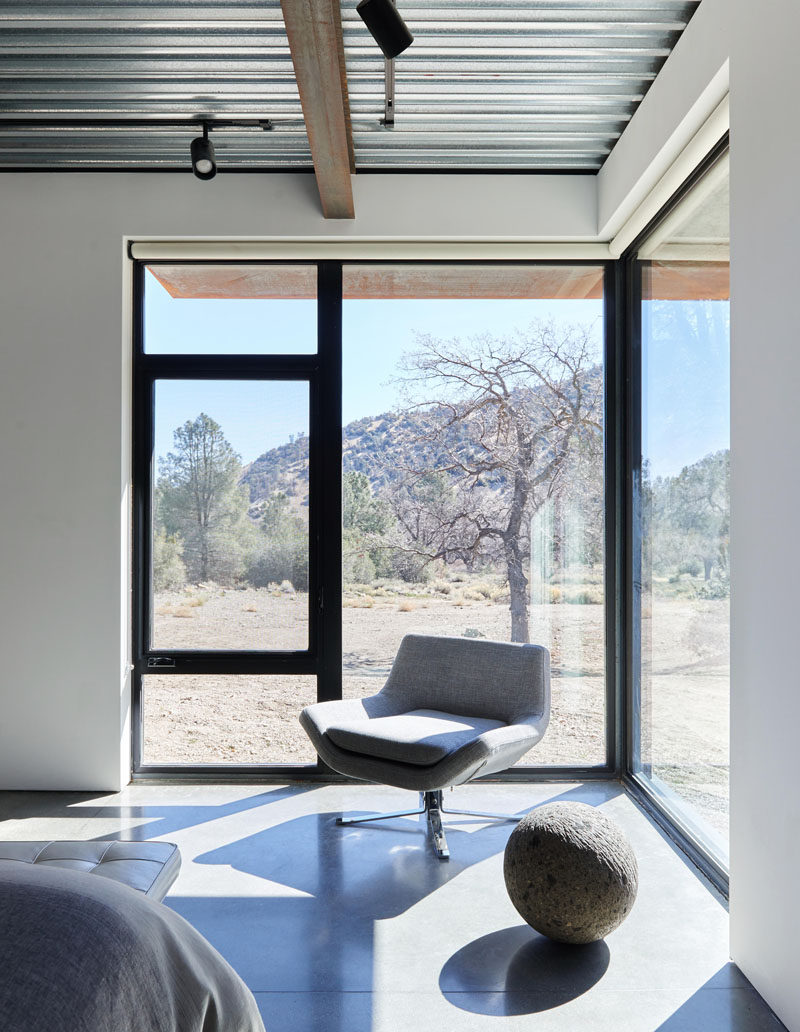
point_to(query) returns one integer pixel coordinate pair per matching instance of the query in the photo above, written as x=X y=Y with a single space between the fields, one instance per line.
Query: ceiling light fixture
x=391 y=34
x=204 y=164
x=388 y=29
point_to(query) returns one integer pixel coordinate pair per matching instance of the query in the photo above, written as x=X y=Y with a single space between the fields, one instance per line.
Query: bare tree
x=503 y=416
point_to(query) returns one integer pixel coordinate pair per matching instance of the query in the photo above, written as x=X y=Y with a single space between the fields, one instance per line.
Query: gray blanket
x=83 y=954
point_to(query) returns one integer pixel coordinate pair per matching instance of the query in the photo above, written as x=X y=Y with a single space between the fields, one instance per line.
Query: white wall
x=760 y=42
x=765 y=446
x=64 y=390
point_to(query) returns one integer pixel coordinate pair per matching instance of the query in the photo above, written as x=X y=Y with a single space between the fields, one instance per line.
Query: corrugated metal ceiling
x=487 y=84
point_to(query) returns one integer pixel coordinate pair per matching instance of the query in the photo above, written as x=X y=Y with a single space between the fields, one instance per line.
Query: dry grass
x=184 y=612
x=406 y=607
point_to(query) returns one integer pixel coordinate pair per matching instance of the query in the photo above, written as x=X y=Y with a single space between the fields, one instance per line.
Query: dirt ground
x=253 y=719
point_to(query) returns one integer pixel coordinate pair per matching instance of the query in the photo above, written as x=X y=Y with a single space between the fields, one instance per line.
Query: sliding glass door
x=227 y=384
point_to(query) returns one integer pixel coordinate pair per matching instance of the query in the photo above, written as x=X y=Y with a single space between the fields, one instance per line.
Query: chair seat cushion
x=420 y=737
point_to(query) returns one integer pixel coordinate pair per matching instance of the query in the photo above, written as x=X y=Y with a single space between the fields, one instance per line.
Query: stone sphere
x=570 y=872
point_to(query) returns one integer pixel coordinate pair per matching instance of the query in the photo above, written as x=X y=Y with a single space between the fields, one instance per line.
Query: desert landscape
x=253 y=719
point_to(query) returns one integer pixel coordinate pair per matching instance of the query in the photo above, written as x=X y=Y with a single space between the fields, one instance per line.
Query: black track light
x=388 y=29
x=204 y=164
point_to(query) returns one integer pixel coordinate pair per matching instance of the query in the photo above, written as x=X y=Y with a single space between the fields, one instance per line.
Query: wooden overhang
x=679 y=281
x=359 y=280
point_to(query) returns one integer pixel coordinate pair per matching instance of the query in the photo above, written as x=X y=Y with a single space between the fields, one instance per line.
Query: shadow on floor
x=726 y=1002
x=530 y=972
x=166 y=820
x=158 y=820
x=326 y=889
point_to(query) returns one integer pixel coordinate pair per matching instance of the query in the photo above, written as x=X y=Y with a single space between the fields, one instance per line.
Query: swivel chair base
x=430 y=803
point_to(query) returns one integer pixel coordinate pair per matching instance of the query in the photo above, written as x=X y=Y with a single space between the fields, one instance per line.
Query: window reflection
x=685 y=509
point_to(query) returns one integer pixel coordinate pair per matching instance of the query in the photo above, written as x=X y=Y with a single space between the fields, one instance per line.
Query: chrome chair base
x=430 y=803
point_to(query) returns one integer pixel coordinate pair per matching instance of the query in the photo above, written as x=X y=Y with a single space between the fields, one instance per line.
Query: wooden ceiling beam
x=314 y=28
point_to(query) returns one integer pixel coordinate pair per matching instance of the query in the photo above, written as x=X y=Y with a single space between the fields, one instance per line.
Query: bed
x=80 y=953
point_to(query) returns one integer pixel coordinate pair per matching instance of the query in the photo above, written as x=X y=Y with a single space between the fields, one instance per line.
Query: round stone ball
x=570 y=872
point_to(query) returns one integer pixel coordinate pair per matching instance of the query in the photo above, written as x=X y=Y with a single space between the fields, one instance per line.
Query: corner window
x=681 y=576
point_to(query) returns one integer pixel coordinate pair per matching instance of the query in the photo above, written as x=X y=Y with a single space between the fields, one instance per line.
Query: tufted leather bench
x=149 y=867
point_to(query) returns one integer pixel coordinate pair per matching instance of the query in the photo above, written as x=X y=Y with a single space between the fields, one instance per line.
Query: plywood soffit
x=663 y=281
x=376 y=282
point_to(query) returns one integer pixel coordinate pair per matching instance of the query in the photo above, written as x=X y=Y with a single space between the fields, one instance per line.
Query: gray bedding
x=82 y=954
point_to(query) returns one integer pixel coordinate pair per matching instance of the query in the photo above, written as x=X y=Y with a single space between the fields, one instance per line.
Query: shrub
x=472 y=632
x=587 y=597
x=169 y=571
x=411 y=568
x=280 y=551
x=357 y=566
x=715 y=589
x=691 y=566
x=277 y=564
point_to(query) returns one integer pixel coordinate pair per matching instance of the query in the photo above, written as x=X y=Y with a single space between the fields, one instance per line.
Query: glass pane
x=230 y=515
x=230 y=309
x=685 y=509
x=473 y=474
x=226 y=718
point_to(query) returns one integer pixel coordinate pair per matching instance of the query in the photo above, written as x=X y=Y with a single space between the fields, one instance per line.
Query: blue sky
x=685 y=384
x=687 y=415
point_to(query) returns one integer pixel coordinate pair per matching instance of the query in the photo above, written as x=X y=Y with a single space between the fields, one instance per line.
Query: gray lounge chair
x=452 y=709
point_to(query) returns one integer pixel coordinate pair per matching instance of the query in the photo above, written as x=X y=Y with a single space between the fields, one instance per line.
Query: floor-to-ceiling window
x=329 y=456
x=473 y=474
x=681 y=575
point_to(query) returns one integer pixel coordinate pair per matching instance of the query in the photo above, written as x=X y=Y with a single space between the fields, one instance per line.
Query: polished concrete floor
x=362 y=929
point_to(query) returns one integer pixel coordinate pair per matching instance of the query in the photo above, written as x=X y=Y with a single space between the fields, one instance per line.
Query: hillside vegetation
x=495 y=467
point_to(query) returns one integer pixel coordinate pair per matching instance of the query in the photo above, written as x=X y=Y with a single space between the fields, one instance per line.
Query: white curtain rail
x=361 y=250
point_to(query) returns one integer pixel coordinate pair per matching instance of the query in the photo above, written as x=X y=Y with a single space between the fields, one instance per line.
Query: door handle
x=160 y=663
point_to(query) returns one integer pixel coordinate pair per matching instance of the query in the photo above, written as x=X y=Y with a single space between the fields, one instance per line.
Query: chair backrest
x=498 y=680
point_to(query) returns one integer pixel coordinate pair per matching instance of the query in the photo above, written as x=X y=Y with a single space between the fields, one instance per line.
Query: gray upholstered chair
x=452 y=709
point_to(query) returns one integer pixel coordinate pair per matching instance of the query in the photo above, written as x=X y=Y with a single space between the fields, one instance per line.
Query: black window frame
x=323 y=371
x=317 y=370
x=686 y=833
